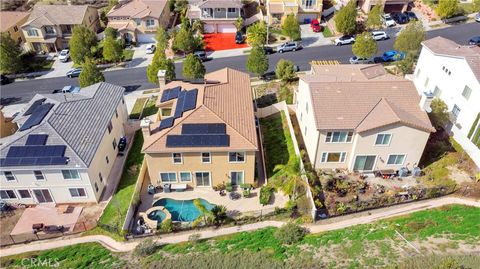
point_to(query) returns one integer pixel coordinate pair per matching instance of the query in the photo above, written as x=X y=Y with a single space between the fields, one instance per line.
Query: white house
x=452 y=73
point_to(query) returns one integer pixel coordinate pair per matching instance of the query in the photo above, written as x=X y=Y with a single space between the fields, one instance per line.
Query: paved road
x=135 y=78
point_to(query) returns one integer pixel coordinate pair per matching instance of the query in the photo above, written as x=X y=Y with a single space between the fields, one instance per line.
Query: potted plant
x=229 y=187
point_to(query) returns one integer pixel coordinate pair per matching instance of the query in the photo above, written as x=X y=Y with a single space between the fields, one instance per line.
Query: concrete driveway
x=140 y=57
x=59 y=69
x=312 y=39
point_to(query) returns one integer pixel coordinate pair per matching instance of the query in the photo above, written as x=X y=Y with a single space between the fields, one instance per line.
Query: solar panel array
x=36 y=151
x=170 y=94
x=33 y=161
x=166 y=123
x=204 y=128
x=212 y=140
x=36 y=139
x=34 y=106
x=37 y=116
x=187 y=100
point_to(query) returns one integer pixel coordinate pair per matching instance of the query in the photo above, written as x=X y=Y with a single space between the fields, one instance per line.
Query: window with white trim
x=383 y=139
x=232 y=9
x=110 y=126
x=333 y=157
x=185 y=177
x=150 y=22
x=396 y=159
x=7 y=194
x=418 y=72
x=70 y=174
x=206 y=158
x=466 y=92
x=32 y=32
x=168 y=177
x=426 y=82
x=77 y=192
x=24 y=194
x=236 y=157
x=339 y=137
x=9 y=176
x=38 y=175
x=177 y=158
x=455 y=111
x=437 y=91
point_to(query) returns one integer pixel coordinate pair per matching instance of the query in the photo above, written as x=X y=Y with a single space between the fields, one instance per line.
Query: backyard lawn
x=451 y=230
x=150 y=108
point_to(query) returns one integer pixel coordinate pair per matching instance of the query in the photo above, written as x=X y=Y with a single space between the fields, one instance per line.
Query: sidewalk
x=350 y=220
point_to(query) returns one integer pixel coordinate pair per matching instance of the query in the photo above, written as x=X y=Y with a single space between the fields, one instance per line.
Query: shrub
x=265 y=195
x=290 y=233
x=285 y=70
x=146 y=248
x=166 y=226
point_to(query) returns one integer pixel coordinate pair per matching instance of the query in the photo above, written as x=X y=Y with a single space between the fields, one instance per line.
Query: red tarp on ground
x=214 y=42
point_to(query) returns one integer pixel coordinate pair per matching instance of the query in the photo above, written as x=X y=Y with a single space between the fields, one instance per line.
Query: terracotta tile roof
x=139 y=9
x=230 y=101
x=363 y=104
x=10 y=18
x=56 y=15
x=122 y=25
x=442 y=46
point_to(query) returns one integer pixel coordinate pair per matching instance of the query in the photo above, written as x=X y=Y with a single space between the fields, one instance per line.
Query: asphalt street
x=135 y=78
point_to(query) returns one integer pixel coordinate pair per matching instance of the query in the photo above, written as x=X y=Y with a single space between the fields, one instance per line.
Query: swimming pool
x=182 y=210
x=157 y=215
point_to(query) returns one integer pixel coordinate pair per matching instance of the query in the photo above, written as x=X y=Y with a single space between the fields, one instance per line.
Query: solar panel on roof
x=203 y=128
x=36 y=151
x=36 y=139
x=190 y=100
x=37 y=116
x=179 y=106
x=166 y=123
x=198 y=140
x=170 y=94
x=33 y=161
x=34 y=106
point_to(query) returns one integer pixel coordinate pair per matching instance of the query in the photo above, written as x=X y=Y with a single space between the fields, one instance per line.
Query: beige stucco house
x=218 y=16
x=138 y=20
x=360 y=118
x=304 y=9
x=49 y=27
x=388 y=5
x=65 y=146
x=206 y=132
x=11 y=23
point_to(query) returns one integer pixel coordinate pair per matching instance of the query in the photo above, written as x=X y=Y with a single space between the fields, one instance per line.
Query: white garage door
x=209 y=28
x=146 y=38
x=226 y=28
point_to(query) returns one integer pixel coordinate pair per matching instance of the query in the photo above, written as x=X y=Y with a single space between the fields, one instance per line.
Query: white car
x=64 y=55
x=345 y=40
x=477 y=17
x=379 y=35
x=388 y=20
x=356 y=60
x=150 y=49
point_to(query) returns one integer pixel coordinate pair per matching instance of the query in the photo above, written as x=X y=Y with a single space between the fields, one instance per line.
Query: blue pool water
x=182 y=210
x=157 y=215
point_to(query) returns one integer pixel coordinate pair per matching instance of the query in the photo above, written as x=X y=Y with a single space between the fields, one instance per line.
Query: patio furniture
x=37 y=227
x=53 y=228
x=385 y=174
x=151 y=189
x=178 y=187
x=166 y=188
x=234 y=195
x=223 y=193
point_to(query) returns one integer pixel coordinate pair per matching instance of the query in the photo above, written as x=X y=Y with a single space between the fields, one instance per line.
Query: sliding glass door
x=364 y=162
x=202 y=179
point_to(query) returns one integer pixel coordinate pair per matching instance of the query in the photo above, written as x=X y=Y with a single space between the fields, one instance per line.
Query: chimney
x=426 y=100
x=145 y=125
x=162 y=79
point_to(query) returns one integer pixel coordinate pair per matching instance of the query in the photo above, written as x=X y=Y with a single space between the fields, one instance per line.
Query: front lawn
x=326 y=32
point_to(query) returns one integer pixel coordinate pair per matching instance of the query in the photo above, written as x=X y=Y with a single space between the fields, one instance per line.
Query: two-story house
x=138 y=20
x=11 y=22
x=49 y=27
x=360 y=118
x=304 y=10
x=206 y=132
x=65 y=146
x=218 y=16
x=451 y=72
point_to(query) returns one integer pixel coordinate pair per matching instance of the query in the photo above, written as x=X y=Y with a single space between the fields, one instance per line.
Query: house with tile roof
x=138 y=20
x=205 y=132
x=360 y=118
x=65 y=146
x=218 y=16
x=11 y=22
x=49 y=27
x=451 y=72
x=304 y=10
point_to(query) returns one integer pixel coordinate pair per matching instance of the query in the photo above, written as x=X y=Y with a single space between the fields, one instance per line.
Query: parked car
x=392 y=55
x=75 y=72
x=315 y=25
x=400 y=18
x=387 y=19
x=268 y=76
x=268 y=50
x=357 y=60
x=411 y=15
x=345 y=40
x=289 y=46
x=150 y=49
x=477 y=17
x=474 y=40
x=379 y=35
x=201 y=54
x=70 y=88
x=239 y=38
x=4 y=80
x=64 y=55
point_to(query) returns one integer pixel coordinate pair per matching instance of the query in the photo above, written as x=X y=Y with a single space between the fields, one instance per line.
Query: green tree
x=185 y=41
x=171 y=5
x=198 y=26
x=447 y=8
x=288 y=177
x=103 y=17
x=346 y=18
x=406 y=65
x=193 y=67
x=374 y=19
x=239 y=23
x=160 y=62
x=476 y=5
x=90 y=74
x=257 y=34
x=111 y=4
x=257 y=61
x=290 y=233
x=439 y=115
x=81 y=44
x=365 y=46
x=185 y=22
x=162 y=39
x=205 y=214
x=181 y=6
x=111 y=32
x=291 y=27
x=410 y=39
x=285 y=70
x=10 y=61
x=112 y=50
x=219 y=213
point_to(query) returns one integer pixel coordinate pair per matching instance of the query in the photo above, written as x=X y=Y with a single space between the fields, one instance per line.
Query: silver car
x=356 y=60
x=379 y=35
x=289 y=46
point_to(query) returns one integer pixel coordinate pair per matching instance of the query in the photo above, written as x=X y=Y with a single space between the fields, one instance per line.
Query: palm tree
x=197 y=26
x=204 y=212
x=219 y=213
x=288 y=176
x=239 y=23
